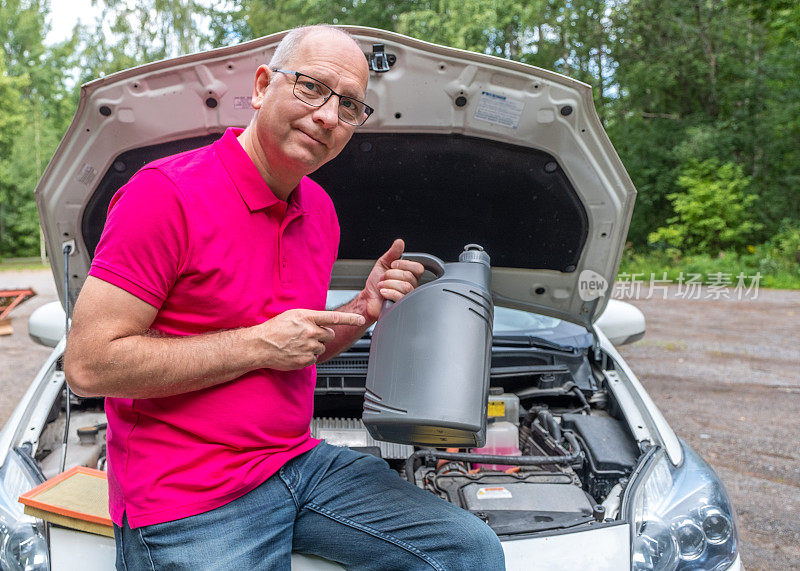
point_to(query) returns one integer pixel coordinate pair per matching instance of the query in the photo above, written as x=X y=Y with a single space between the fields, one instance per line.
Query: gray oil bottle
x=428 y=373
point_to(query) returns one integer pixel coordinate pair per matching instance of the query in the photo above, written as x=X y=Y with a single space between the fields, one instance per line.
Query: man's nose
x=328 y=114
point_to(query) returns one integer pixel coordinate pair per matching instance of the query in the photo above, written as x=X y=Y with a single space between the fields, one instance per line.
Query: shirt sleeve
x=145 y=242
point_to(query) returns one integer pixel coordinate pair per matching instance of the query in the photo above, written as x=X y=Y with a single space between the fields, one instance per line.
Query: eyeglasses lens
x=316 y=94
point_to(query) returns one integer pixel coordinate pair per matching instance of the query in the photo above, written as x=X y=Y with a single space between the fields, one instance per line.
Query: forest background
x=701 y=99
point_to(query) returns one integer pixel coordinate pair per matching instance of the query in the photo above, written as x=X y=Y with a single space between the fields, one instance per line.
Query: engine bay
x=558 y=451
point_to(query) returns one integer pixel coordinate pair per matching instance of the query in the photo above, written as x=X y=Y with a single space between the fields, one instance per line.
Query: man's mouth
x=313 y=138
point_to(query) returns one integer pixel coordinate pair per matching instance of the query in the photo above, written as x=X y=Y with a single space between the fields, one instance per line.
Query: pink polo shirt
x=201 y=237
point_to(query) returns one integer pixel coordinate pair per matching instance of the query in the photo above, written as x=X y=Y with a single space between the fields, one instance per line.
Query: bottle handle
x=431 y=263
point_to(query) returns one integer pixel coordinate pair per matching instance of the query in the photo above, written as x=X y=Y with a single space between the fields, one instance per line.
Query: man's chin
x=312 y=157
x=306 y=161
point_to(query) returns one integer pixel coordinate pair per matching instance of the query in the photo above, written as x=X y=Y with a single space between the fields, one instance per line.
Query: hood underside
x=462 y=148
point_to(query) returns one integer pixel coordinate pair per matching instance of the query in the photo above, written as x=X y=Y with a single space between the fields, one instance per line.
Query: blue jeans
x=332 y=502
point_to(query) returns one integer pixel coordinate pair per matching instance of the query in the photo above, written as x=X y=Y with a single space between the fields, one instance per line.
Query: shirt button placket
x=283 y=265
x=284 y=250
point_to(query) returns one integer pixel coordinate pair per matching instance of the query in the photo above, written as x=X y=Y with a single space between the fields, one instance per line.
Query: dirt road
x=725 y=373
x=20 y=357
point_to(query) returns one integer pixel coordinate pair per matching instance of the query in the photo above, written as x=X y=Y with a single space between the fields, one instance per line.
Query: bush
x=780 y=255
x=712 y=213
x=776 y=260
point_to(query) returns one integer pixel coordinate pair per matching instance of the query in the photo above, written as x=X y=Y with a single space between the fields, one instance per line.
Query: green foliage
x=713 y=213
x=11 y=122
x=23 y=87
x=780 y=255
x=12 y=118
x=40 y=94
x=755 y=263
x=127 y=34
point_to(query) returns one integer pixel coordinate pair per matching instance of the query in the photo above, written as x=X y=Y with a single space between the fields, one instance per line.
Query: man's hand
x=391 y=278
x=296 y=338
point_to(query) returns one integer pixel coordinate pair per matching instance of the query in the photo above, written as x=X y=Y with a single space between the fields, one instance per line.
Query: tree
x=11 y=122
x=128 y=34
x=33 y=103
x=687 y=76
x=777 y=164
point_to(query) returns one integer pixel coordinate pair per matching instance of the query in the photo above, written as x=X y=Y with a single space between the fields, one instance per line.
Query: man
x=200 y=321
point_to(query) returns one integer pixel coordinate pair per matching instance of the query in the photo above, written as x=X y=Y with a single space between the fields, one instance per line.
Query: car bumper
x=602 y=548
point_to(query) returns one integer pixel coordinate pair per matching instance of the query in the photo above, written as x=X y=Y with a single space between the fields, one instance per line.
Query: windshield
x=506 y=321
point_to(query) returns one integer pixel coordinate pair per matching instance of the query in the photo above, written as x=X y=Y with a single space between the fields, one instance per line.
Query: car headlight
x=681 y=516
x=22 y=542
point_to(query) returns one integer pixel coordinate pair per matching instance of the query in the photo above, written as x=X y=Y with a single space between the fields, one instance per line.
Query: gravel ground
x=725 y=373
x=20 y=357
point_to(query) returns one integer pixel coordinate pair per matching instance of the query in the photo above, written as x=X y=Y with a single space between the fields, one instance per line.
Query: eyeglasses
x=315 y=93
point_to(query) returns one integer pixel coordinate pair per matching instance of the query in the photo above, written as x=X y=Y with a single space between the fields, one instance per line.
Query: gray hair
x=290 y=44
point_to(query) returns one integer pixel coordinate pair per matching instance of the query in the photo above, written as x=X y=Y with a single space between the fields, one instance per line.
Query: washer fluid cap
x=474 y=253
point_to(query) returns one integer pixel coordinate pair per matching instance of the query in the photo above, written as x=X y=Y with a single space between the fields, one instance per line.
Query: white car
x=462 y=148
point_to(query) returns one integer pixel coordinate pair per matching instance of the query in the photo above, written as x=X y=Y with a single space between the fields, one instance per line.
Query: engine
x=557 y=451
x=542 y=467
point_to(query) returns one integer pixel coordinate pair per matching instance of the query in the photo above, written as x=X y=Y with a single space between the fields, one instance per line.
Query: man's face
x=295 y=137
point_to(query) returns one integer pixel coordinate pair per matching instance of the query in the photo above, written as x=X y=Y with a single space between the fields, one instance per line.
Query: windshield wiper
x=529 y=341
x=513 y=340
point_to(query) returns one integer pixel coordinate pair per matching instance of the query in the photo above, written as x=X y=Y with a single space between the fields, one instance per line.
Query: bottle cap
x=474 y=253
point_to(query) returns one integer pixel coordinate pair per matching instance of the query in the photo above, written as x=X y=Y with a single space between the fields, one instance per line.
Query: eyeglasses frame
x=367 y=109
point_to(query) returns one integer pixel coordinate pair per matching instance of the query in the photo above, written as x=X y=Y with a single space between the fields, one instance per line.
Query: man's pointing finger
x=323 y=318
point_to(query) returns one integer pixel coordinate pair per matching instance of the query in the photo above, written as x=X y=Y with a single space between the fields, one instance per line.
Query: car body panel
x=600 y=549
x=46 y=324
x=622 y=322
x=71 y=549
x=643 y=416
x=604 y=548
x=28 y=418
x=169 y=101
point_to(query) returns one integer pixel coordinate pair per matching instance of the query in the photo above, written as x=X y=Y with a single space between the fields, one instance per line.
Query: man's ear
x=262 y=80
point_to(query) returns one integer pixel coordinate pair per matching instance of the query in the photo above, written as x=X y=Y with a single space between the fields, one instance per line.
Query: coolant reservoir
x=428 y=371
x=503 y=406
x=502 y=437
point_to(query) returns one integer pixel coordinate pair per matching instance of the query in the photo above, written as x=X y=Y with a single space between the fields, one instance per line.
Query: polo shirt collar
x=255 y=192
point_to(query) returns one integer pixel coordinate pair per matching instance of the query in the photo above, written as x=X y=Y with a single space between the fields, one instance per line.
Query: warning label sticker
x=499 y=109
x=497 y=408
x=86 y=174
x=493 y=493
x=241 y=102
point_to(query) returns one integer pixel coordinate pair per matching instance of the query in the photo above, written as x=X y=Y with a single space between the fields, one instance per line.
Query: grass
x=776 y=273
x=15 y=264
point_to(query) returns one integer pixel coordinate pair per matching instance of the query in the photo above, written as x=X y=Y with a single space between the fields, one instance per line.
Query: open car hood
x=462 y=148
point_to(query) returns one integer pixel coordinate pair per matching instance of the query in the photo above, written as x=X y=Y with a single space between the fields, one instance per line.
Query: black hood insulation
x=438 y=192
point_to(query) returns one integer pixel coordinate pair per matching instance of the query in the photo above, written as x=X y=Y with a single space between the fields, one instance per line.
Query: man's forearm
x=148 y=366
